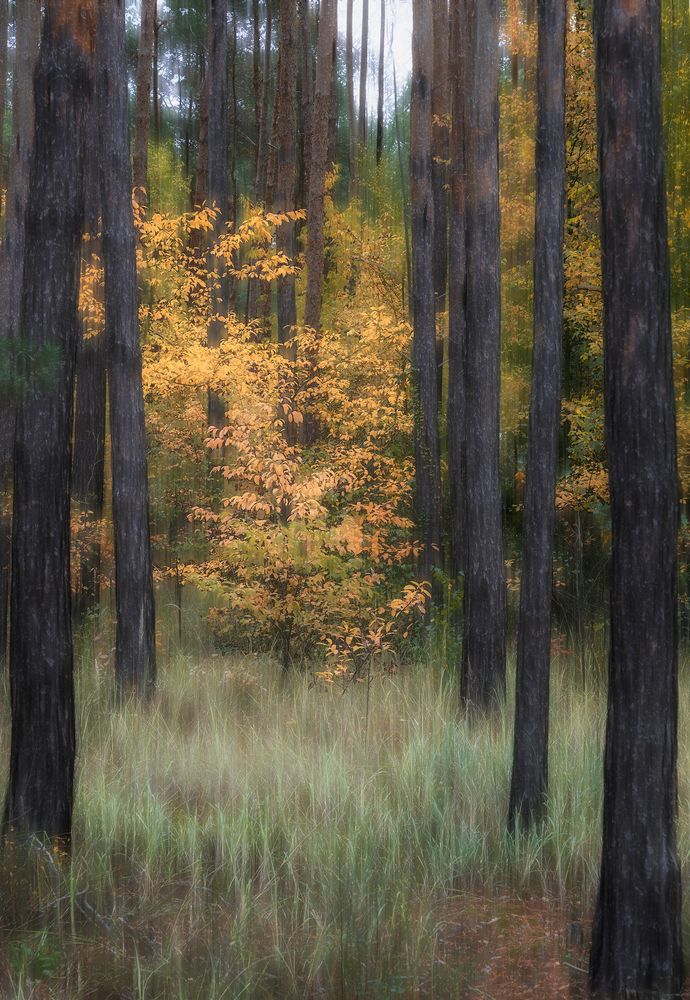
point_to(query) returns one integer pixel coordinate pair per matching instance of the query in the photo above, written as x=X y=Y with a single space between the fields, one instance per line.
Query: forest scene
x=344 y=499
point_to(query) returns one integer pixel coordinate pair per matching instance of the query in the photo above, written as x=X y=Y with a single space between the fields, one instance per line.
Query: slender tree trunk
x=379 y=108
x=156 y=88
x=351 y=119
x=27 y=26
x=264 y=117
x=143 y=99
x=363 y=74
x=426 y=435
x=484 y=649
x=333 y=107
x=636 y=940
x=530 y=754
x=40 y=794
x=88 y=465
x=201 y=174
x=319 y=163
x=286 y=159
x=135 y=643
x=306 y=74
x=456 y=295
x=439 y=173
x=217 y=178
x=403 y=186
x=4 y=12
x=256 y=80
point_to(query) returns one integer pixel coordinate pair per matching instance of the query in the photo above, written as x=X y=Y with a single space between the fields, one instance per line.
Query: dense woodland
x=344 y=376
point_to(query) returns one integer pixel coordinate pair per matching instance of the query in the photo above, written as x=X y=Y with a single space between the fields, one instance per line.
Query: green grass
x=268 y=840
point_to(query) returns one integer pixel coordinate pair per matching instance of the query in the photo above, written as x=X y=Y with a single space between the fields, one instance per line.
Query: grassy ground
x=242 y=838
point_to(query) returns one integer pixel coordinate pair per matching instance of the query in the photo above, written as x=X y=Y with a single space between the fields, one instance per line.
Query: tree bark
x=264 y=116
x=88 y=465
x=143 y=99
x=484 y=650
x=286 y=160
x=217 y=72
x=350 y=82
x=306 y=75
x=27 y=26
x=135 y=642
x=4 y=18
x=42 y=754
x=439 y=172
x=363 y=74
x=456 y=296
x=426 y=434
x=256 y=79
x=319 y=164
x=531 y=740
x=636 y=942
x=379 y=108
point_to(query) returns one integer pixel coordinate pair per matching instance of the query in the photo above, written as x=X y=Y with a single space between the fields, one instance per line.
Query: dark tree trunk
x=264 y=117
x=333 y=107
x=217 y=73
x=530 y=754
x=484 y=647
x=379 y=108
x=4 y=12
x=636 y=941
x=439 y=172
x=135 y=643
x=319 y=164
x=350 y=82
x=256 y=79
x=39 y=798
x=201 y=174
x=426 y=435
x=27 y=24
x=156 y=88
x=456 y=295
x=306 y=76
x=363 y=74
x=143 y=98
x=286 y=160
x=88 y=465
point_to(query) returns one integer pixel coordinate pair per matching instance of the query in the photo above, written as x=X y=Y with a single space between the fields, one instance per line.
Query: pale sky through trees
x=399 y=20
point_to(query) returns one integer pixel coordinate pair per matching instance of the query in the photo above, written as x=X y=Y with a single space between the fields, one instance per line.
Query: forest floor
x=246 y=837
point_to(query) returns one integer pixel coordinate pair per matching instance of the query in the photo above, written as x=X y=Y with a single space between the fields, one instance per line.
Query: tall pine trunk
x=379 y=107
x=484 y=647
x=286 y=160
x=363 y=75
x=350 y=83
x=307 y=101
x=531 y=741
x=439 y=172
x=4 y=18
x=456 y=295
x=144 y=81
x=42 y=754
x=636 y=940
x=217 y=75
x=318 y=167
x=135 y=641
x=27 y=25
x=426 y=434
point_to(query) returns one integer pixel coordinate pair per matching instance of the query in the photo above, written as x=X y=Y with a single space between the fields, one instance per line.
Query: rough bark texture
x=426 y=435
x=350 y=83
x=636 y=942
x=217 y=73
x=88 y=465
x=531 y=741
x=333 y=107
x=379 y=107
x=264 y=116
x=439 y=171
x=318 y=166
x=4 y=12
x=27 y=22
x=135 y=642
x=143 y=100
x=256 y=78
x=39 y=798
x=456 y=295
x=286 y=160
x=484 y=653
x=307 y=82
x=363 y=74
